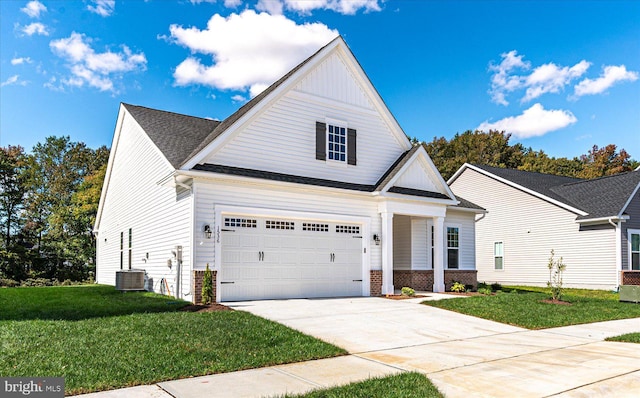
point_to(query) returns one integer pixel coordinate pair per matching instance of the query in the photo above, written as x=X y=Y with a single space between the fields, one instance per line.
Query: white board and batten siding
x=530 y=227
x=282 y=139
x=134 y=201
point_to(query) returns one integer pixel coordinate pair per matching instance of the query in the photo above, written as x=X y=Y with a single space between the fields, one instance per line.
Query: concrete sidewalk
x=463 y=356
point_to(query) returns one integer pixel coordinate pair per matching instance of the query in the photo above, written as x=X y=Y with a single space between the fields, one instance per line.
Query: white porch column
x=438 y=254
x=387 y=252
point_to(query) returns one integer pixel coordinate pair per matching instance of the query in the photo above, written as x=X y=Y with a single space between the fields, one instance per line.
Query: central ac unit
x=130 y=280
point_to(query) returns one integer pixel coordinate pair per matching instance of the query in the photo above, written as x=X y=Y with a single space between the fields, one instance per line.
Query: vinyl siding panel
x=419 y=245
x=401 y=242
x=343 y=87
x=417 y=177
x=633 y=211
x=530 y=227
x=282 y=139
x=467 y=235
x=158 y=216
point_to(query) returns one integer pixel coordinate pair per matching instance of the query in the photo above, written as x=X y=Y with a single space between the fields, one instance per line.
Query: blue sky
x=560 y=76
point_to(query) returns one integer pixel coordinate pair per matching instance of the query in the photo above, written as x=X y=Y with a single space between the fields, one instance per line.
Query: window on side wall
x=121 y=250
x=498 y=256
x=453 y=247
x=130 y=251
x=634 y=249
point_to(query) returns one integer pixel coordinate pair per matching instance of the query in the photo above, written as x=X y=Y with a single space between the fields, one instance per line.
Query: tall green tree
x=540 y=162
x=605 y=161
x=12 y=190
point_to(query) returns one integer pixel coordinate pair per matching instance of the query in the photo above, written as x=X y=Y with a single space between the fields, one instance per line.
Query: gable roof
x=174 y=134
x=596 y=199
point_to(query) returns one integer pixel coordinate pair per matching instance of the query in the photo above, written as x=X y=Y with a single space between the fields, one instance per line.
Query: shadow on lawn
x=74 y=303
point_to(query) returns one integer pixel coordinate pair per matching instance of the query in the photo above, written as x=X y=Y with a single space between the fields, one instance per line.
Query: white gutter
x=618 y=229
x=607 y=219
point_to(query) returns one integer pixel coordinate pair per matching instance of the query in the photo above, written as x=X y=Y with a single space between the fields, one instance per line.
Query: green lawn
x=403 y=385
x=522 y=306
x=101 y=339
x=626 y=338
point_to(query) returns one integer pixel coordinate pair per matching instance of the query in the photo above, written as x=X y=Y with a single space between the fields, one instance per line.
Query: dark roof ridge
x=395 y=167
x=171 y=112
x=598 y=178
x=226 y=123
x=530 y=172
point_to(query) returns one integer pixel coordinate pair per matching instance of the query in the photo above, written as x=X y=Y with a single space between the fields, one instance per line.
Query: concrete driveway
x=467 y=356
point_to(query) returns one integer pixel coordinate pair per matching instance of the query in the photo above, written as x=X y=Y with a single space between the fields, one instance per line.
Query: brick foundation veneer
x=196 y=285
x=630 y=277
x=375 y=287
x=423 y=280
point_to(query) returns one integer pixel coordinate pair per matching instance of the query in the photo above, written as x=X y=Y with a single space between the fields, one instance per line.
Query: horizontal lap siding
x=633 y=211
x=158 y=217
x=530 y=228
x=300 y=200
x=466 y=222
x=282 y=140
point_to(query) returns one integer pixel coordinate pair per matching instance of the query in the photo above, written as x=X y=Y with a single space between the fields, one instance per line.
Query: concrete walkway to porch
x=464 y=356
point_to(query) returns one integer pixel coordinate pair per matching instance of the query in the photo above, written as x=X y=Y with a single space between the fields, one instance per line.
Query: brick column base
x=196 y=285
x=466 y=277
x=375 y=286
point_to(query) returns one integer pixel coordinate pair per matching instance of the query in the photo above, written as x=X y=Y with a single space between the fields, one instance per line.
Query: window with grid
x=121 y=250
x=307 y=226
x=498 y=255
x=130 y=247
x=453 y=245
x=240 y=222
x=336 y=143
x=347 y=229
x=276 y=224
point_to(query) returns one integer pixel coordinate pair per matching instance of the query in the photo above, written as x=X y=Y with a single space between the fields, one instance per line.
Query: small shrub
x=207 y=286
x=556 y=268
x=38 y=282
x=483 y=285
x=458 y=287
x=407 y=291
x=496 y=286
x=485 y=290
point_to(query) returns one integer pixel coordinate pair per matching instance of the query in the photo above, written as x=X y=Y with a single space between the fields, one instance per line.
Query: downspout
x=618 y=229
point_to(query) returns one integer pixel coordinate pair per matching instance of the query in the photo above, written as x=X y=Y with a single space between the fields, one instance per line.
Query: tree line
x=48 y=203
x=49 y=197
x=493 y=149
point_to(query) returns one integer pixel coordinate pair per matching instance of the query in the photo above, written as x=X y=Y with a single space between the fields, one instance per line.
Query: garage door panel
x=290 y=259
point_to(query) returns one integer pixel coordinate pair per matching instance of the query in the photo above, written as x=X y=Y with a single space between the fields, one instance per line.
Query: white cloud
x=533 y=122
x=546 y=78
x=12 y=80
x=102 y=7
x=501 y=81
x=273 y=7
x=550 y=78
x=34 y=8
x=610 y=76
x=20 y=61
x=95 y=69
x=346 y=7
x=238 y=98
x=35 y=28
x=247 y=50
x=232 y=3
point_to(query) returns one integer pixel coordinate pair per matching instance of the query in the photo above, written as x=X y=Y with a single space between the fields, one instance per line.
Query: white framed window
x=121 y=250
x=130 y=247
x=634 y=249
x=498 y=256
x=336 y=143
x=453 y=247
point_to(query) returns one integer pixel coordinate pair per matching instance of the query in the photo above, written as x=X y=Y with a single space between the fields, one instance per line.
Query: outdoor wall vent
x=130 y=280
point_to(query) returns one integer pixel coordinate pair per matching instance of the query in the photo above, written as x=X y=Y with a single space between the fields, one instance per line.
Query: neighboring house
x=594 y=225
x=311 y=189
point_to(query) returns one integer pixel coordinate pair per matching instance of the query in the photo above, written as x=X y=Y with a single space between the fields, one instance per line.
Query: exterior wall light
x=376 y=239
x=207 y=231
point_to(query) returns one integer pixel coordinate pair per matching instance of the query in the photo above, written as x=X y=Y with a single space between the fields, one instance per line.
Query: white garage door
x=272 y=258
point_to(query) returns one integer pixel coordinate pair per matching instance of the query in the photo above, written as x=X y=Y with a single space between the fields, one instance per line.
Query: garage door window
x=347 y=229
x=240 y=222
x=276 y=224
x=315 y=227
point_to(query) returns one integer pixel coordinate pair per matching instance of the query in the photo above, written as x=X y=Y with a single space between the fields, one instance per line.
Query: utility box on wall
x=630 y=293
x=130 y=280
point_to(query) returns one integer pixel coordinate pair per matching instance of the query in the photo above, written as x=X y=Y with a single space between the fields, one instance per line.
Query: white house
x=311 y=189
x=593 y=224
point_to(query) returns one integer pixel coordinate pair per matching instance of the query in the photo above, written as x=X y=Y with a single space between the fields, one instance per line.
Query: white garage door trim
x=221 y=210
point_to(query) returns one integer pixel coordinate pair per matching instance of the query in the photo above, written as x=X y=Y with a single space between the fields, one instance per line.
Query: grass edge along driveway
x=101 y=339
x=626 y=338
x=524 y=306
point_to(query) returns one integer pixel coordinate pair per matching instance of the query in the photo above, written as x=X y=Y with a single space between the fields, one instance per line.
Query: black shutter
x=321 y=141
x=351 y=146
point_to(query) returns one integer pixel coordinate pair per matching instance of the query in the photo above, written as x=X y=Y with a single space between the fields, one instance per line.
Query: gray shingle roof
x=174 y=134
x=600 y=197
x=395 y=167
x=465 y=204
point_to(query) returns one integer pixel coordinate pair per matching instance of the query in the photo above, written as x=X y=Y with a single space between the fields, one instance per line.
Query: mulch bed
x=401 y=297
x=205 y=308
